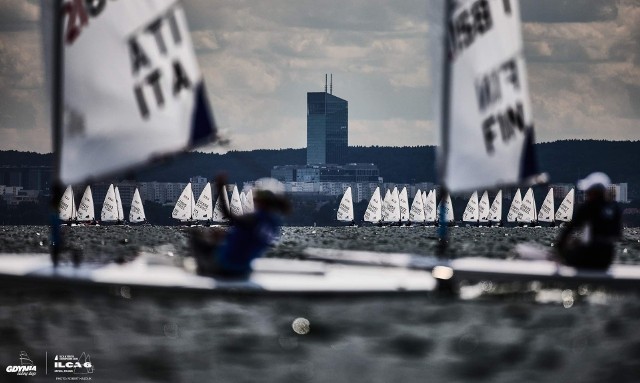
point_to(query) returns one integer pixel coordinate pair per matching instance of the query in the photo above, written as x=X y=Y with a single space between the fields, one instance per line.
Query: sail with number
x=430 y=208
x=403 y=204
x=109 y=211
x=218 y=213
x=483 y=208
x=184 y=205
x=527 y=213
x=471 y=211
x=235 y=205
x=392 y=207
x=203 y=210
x=86 y=212
x=373 y=213
x=416 y=214
x=247 y=207
x=385 y=206
x=514 y=210
x=119 y=205
x=487 y=136
x=565 y=210
x=495 y=212
x=136 y=213
x=67 y=207
x=547 y=210
x=345 y=210
x=448 y=209
x=131 y=88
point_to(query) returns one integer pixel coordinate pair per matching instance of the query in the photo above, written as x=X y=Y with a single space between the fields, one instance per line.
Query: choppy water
x=503 y=338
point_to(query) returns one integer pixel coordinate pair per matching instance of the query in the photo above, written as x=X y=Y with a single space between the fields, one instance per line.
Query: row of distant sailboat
x=188 y=210
x=424 y=210
x=112 y=210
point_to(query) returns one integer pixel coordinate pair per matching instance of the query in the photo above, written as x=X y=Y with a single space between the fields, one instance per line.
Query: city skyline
x=260 y=60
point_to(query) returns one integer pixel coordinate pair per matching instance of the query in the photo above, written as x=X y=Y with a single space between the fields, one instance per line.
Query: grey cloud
x=568 y=11
x=18 y=15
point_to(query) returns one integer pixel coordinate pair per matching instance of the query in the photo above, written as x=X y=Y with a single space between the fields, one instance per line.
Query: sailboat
x=235 y=205
x=86 y=209
x=565 y=210
x=514 y=210
x=547 y=210
x=185 y=206
x=385 y=206
x=392 y=208
x=483 y=208
x=495 y=212
x=373 y=214
x=345 y=210
x=112 y=207
x=430 y=208
x=471 y=211
x=416 y=214
x=403 y=205
x=447 y=207
x=203 y=210
x=67 y=207
x=218 y=216
x=528 y=211
x=136 y=212
x=247 y=203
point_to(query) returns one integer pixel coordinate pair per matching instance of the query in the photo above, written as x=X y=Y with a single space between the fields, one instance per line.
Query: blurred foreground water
x=177 y=338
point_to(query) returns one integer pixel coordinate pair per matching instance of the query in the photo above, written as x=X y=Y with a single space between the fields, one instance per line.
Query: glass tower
x=327 y=128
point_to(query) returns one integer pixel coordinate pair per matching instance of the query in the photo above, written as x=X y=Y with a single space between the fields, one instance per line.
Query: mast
x=444 y=121
x=56 y=124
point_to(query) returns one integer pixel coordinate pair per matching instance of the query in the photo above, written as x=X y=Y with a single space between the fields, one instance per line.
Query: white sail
x=86 y=210
x=514 y=210
x=416 y=214
x=483 y=208
x=345 y=210
x=235 y=206
x=119 y=205
x=184 y=205
x=67 y=209
x=565 y=210
x=248 y=208
x=132 y=88
x=110 y=206
x=471 y=211
x=136 y=213
x=218 y=212
x=448 y=209
x=203 y=210
x=403 y=203
x=373 y=213
x=243 y=201
x=487 y=138
x=495 y=212
x=392 y=207
x=547 y=209
x=385 y=206
x=430 y=208
x=527 y=212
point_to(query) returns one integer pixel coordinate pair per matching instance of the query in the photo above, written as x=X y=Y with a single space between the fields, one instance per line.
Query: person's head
x=269 y=195
x=595 y=186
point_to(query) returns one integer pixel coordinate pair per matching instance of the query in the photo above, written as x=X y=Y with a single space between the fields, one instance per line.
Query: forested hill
x=565 y=161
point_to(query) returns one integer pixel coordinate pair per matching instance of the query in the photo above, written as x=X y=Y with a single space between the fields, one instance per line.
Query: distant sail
x=483 y=208
x=430 y=209
x=514 y=210
x=527 y=212
x=373 y=213
x=495 y=213
x=86 y=211
x=403 y=203
x=565 y=210
x=109 y=211
x=488 y=137
x=235 y=205
x=119 y=204
x=448 y=209
x=243 y=201
x=67 y=209
x=184 y=205
x=345 y=210
x=132 y=87
x=136 y=214
x=385 y=206
x=547 y=210
x=248 y=208
x=392 y=207
x=218 y=212
x=416 y=214
x=203 y=209
x=471 y=211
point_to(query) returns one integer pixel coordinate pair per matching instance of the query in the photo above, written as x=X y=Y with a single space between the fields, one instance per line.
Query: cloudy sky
x=259 y=59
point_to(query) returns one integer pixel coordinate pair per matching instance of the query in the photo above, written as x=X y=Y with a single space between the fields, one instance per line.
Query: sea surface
x=548 y=335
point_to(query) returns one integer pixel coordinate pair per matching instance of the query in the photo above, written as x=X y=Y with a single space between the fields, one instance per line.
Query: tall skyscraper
x=327 y=128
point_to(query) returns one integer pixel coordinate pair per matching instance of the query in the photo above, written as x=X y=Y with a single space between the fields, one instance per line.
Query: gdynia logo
x=26 y=367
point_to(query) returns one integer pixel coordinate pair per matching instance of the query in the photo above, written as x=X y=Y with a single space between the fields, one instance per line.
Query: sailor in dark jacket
x=600 y=220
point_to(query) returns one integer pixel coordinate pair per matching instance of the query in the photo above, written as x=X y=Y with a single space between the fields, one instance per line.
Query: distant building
x=26 y=176
x=198 y=184
x=327 y=128
x=327 y=173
